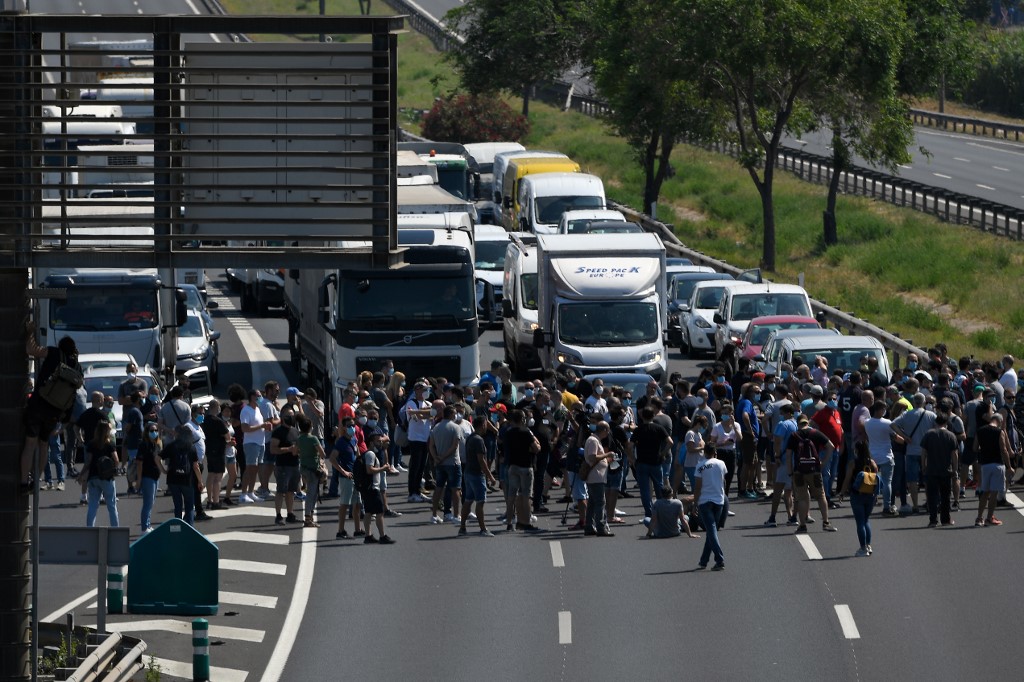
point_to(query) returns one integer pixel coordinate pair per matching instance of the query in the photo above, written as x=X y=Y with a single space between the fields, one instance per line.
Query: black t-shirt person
x=518 y=441
x=286 y=437
x=648 y=441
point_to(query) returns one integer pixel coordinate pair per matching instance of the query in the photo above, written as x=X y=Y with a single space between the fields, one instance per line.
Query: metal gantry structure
x=255 y=155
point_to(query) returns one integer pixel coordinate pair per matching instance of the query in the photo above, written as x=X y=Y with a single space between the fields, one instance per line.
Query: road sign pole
x=101 y=583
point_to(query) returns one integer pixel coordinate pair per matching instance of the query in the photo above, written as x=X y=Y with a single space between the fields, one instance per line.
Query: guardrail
x=967 y=124
x=422 y=22
x=109 y=657
x=899 y=347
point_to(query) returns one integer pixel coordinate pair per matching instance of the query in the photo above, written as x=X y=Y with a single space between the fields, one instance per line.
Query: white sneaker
x=619 y=512
x=870 y=550
x=472 y=516
x=244 y=498
x=533 y=519
x=731 y=513
x=436 y=520
x=402 y=468
x=60 y=485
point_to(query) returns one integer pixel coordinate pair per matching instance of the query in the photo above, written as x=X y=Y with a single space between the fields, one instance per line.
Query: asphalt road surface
x=299 y=604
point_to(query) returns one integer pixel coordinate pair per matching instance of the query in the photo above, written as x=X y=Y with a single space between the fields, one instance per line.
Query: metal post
x=101 y=583
x=115 y=590
x=200 y=650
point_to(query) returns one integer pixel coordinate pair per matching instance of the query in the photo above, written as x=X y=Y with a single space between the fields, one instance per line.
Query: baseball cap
x=802 y=419
x=500 y=407
x=420 y=384
x=449 y=386
x=817 y=390
x=292 y=391
x=758 y=376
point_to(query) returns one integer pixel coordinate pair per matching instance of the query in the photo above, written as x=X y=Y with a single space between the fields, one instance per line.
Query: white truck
x=599 y=305
x=519 y=303
x=544 y=197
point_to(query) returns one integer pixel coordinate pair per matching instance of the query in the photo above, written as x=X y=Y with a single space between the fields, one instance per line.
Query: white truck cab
x=544 y=197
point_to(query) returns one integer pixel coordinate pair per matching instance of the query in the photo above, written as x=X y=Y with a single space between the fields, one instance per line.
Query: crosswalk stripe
x=245 y=599
x=1017 y=503
x=253 y=566
x=183 y=627
x=183 y=670
x=246 y=510
x=809 y=547
x=249 y=536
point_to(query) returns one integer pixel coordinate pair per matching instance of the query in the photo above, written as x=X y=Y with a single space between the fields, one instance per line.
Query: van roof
x=491 y=233
x=560 y=181
x=588 y=243
x=769 y=288
x=831 y=341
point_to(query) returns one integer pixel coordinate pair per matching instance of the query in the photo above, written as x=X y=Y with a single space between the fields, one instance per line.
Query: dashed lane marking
x=991 y=189
x=557 y=560
x=940 y=175
x=846 y=622
x=1000 y=168
x=564 y=627
x=184 y=627
x=810 y=549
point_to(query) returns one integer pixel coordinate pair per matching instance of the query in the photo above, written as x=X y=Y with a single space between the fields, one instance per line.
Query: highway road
x=556 y=605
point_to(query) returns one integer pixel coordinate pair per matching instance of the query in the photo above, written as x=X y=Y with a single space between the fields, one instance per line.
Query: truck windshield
x=749 y=306
x=454 y=180
x=408 y=302
x=490 y=255
x=105 y=309
x=608 y=324
x=529 y=284
x=549 y=210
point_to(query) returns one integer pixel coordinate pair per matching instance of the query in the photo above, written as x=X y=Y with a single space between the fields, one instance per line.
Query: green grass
x=893 y=266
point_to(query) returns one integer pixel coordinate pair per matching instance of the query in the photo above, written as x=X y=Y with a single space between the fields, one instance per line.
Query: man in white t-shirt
x=253 y=444
x=709 y=493
x=271 y=417
x=879 y=437
x=1008 y=379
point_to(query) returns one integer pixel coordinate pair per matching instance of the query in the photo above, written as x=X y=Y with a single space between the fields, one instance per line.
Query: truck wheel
x=683 y=348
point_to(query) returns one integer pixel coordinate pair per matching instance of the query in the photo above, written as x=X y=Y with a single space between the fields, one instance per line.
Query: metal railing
x=968 y=124
x=108 y=657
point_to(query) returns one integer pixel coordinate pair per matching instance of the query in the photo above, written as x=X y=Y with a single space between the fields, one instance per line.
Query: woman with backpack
x=149 y=470
x=862 y=484
x=182 y=466
x=98 y=474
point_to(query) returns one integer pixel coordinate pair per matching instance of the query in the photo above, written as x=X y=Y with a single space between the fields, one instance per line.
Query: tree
x=473 y=118
x=650 y=107
x=512 y=46
x=763 y=59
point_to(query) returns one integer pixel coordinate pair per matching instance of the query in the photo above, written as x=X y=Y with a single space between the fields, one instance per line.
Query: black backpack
x=177 y=460
x=805 y=454
x=363 y=481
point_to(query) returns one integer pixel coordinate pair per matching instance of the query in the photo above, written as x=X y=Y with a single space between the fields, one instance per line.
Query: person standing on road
x=910 y=427
x=519 y=449
x=477 y=475
x=750 y=430
x=782 y=485
x=199 y=441
x=272 y=419
x=131 y=425
x=879 y=444
x=98 y=474
x=343 y=458
x=598 y=458
x=173 y=413
x=804 y=457
x=724 y=438
x=417 y=414
x=149 y=468
x=993 y=450
x=131 y=386
x=445 y=440
x=373 y=503
x=182 y=466
x=651 y=443
x=253 y=444
x=311 y=455
x=709 y=494
x=284 y=445
x=939 y=449
x=862 y=495
x=215 y=429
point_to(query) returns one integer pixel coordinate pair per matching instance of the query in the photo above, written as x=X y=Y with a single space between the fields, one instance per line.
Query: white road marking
x=169 y=668
x=1000 y=168
x=556 y=554
x=958 y=158
x=69 y=606
x=1016 y=502
x=184 y=627
x=809 y=547
x=846 y=621
x=986 y=187
x=195 y=10
x=906 y=167
x=254 y=509
x=245 y=599
x=564 y=627
x=296 y=610
x=253 y=566
x=995 y=149
x=940 y=175
x=261 y=359
x=245 y=536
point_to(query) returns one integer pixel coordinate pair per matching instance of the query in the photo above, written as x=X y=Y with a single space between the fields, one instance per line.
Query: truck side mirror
x=506 y=308
x=538 y=339
x=719 y=319
x=489 y=313
x=820 y=317
x=323 y=311
x=294 y=274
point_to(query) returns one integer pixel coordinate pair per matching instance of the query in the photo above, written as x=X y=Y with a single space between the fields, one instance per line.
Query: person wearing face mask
x=828 y=421
x=217 y=438
x=596 y=401
x=284 y=444
x=130 y=386
x=272 y=417
x=175 y=412
x=446 y=438
x=724 y=438
x=195 y=426
x=343 y=457
x=149 y=468
x=528 y=399
x=252 y=427
x=417 y=413
x=568 y=387
x=131 y=423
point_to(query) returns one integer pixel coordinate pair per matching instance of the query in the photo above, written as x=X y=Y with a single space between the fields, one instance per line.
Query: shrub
x=473 y=118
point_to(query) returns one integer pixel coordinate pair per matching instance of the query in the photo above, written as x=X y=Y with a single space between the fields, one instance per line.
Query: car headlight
x=735 y=339
x=648 y=358
x=701 y=323
x=201 y=353
x=529 y=327
x=569 y=359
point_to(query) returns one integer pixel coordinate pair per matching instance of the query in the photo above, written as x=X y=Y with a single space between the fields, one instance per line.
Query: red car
x=760 y=327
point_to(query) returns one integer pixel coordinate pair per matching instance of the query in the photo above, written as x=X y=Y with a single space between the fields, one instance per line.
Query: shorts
x=993 y=478
x=448 y=476
x=229 y=455
x=215 y=464
x=476 y=488
x=373 y=501
x=805 y=485
x=748 y=449
x=520 y=481
x=782 y=476
x=39 y=418
x=287 y=479
x=614 y=478
x=579 y=487
x=346 y=491
x=254 y=453
x=913 y=468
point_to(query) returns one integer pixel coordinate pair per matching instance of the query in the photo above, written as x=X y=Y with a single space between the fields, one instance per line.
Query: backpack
x=178 y=462
x=61 y=386
x=867 y=482
x=106 y=468
x=805 y=458
x=363 y=481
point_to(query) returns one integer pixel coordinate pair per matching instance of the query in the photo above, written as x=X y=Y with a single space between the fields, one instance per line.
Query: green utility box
x=173 y=569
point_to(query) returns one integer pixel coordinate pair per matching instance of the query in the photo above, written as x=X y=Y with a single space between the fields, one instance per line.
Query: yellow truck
x=518 y=169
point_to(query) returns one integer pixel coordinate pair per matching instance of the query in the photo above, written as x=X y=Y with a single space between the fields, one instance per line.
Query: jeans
x=709 y=515
x=937 y=490
x=394 y=456
x=862 y=504
x=312 y=481
x=899 y=479
x=56 y=458
x=648 y=475
x=885 y=471
x=828 y=474
x=184 y=505
x=417 y=464
x=148 y=492
x=691 y=476
x=95 y=489
x=596 y=517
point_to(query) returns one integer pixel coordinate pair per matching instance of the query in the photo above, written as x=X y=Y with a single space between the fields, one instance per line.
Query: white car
x=197 y=346
x=577 y=222
x=107 y=380
x=697 y=321
x=90 y=361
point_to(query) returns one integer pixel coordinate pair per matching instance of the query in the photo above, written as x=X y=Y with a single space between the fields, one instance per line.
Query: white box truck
x=544 y=197
x=600 y=300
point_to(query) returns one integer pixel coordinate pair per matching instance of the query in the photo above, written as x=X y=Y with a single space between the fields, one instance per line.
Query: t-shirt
x=446 y=436
x=598 y=468
x=745 y=406
x=88 y=422
x=419 y=429
x=347 y=450
x=147 y=458
x=648 y=440
x=940 y=444
x=316 y=420
x=692 y=456
x=215 y=430
x=475 y=446
x=309 y=455
x=725 y=437
x=712 y=477
x=198 y=440
x=828 y=422
x=174 y=413
x=785 y=429
x=370 y=459
x=270 y=413
x=170 y=453
x=989 y=438
x=821 y=442
x=849 y=398
x=286 y=436
x=879 y=440
x=517 y=442
x=250 y=416
x=131 y=421
x=94 y=457
x=914 y=425
x=131 y=386
x=665 y=518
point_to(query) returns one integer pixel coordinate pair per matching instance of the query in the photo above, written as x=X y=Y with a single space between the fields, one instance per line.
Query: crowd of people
x=938 y=426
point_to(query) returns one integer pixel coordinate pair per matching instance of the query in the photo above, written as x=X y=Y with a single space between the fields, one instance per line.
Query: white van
x=519 y=303
x=843 y=353
x=740 y=305
x=544 y=197
x=696 y=318
x=500 y=165
x=489 y=262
